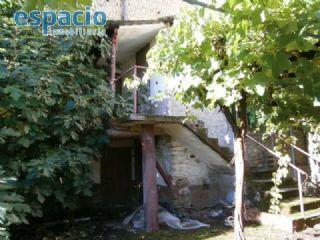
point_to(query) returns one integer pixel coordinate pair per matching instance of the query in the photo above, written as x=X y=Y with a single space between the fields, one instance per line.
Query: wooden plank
x=150 y=191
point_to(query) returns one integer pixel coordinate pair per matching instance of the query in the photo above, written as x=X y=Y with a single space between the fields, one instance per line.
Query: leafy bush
x=54 y=103
x=12 y=206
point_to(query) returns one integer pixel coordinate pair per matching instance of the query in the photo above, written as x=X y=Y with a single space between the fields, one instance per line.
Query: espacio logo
x=63 y=22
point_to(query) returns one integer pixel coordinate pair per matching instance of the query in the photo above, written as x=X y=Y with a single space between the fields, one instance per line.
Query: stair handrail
x=135 y=92
x=129 y=70
x=299 y=171
x=300 y=150
x=276 y=155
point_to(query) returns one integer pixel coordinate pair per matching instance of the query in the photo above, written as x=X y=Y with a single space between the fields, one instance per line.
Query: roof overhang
x=134 y=35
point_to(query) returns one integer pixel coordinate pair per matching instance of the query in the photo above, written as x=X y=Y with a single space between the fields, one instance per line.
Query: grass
x=214 y=233
x=102 y=230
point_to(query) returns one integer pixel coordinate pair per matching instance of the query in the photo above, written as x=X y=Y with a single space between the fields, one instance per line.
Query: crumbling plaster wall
x=195 y=184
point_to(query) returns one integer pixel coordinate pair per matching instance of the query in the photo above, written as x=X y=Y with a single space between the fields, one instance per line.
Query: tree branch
x=243 y=113
x=205 y=5
x=226 y=111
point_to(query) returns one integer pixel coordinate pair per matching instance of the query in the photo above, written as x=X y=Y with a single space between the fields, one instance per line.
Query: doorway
x=121 y=176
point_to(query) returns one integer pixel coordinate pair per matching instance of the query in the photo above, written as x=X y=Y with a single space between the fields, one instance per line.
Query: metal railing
x=299 y=171
x=316 y=160
x=134 y=70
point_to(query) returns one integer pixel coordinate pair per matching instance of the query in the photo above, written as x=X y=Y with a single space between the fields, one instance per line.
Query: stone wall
x=261 y=158
x=195 y=184
x=257 y=156
x=141 y=9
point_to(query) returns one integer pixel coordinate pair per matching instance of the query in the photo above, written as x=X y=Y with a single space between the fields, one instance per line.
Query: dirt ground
x=99 y=230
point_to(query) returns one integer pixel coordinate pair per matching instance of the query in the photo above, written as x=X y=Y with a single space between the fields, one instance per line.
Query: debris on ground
x=165 y=217
x=229 y=221
x=215 y=213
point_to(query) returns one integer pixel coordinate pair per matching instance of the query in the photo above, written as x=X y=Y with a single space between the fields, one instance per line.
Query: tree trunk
x=239 y=161
x=239 y=169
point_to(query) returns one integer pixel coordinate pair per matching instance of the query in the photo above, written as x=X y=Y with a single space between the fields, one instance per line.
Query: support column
x=149 y=171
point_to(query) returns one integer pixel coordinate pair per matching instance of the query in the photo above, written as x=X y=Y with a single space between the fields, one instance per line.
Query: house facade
x=157 y=154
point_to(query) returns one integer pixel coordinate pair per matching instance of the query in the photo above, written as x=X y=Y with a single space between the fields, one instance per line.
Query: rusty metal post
x=300 y=194
x=150 y=191
x=164 y=175
x=114 y=59
x=135 y=91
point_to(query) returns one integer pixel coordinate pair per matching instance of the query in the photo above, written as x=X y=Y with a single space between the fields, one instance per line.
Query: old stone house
x=155 y=154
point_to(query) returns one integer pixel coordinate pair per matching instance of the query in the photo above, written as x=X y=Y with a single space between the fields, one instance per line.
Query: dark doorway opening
x=121 y=178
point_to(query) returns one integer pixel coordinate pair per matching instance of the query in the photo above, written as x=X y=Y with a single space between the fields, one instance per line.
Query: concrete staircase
x=201 y=131
x=262 y=181
x=201 y=146
x=290 y=219
x=193 y=135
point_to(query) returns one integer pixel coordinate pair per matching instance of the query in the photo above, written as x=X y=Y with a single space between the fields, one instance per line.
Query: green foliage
x=268 y=50
x=30 y=5
x=142 y=90
x=9 y=7
x=12 y=206
x=278 y=177
x=54 y=103
x=261 y=48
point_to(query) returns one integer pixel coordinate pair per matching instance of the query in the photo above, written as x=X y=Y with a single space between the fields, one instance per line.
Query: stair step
x=288 y=182
x=203 y=132
x=286 y=192
x=263 y=169
x=213 y=141
x=226 y=153
x=307 y=213
x=265 y=184
x=269 y=180
x=262 y=172
x=288 y=189
x=290 y=223
x=290 y=206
